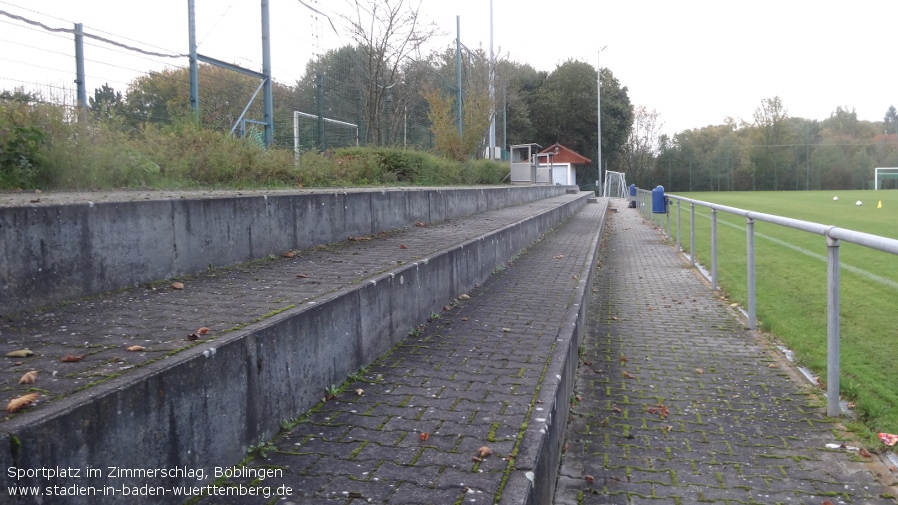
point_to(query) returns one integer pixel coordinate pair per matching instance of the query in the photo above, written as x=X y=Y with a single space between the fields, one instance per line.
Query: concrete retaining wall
x=51 y=253
x=204 y=407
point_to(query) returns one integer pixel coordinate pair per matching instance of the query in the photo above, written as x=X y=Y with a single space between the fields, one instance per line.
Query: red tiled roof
x=565 y=155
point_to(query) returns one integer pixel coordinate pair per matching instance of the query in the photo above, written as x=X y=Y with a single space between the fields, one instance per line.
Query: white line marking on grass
x=873 y=277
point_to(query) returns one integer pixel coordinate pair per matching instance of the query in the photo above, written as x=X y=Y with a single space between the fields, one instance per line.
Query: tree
x=564 y=110
x=642 y=144
x=443 y=116
x=106 y=102
x=388 y=32
x=891 y=119
x=772 y=134
x=617 y=119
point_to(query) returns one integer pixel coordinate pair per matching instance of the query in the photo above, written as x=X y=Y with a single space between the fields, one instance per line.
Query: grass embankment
x=791 y=286
x=41 y=147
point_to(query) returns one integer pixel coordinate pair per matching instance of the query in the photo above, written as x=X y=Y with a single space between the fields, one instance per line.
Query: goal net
x=615 y=185
x=882 y=174
x=308 y=135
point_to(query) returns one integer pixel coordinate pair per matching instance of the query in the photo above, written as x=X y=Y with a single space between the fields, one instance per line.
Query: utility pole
x=492 y=155
x=599 y=124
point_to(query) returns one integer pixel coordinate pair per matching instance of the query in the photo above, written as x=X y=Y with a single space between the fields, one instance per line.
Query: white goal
x=336 y=133
x=615 y=185
x=882 y=173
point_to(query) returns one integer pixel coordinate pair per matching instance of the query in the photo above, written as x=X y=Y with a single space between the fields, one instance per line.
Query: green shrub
x=43 y=146
x=20 y=146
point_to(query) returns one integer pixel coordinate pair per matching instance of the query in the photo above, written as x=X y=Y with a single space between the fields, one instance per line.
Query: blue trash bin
x=632 y=190
x=659 y=202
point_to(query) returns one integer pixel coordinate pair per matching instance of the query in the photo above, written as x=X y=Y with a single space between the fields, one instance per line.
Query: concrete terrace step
x=280 y=330
x=496 y=371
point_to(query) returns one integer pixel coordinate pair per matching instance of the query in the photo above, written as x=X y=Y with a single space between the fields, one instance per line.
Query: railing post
x=832 y=327
x=667 y=215
x=678 y=228
x=692 y=235
x=713 y=249
x=750 y=265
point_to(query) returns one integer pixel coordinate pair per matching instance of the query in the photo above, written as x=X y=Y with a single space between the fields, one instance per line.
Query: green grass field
x=790 y=273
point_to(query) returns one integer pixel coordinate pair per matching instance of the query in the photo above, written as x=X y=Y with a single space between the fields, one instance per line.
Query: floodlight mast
x=599 y=120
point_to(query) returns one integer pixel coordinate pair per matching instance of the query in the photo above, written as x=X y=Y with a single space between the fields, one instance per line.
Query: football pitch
x=790 y=276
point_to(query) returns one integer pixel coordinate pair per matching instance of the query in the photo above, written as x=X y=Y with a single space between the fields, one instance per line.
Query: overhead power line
x=89 y=35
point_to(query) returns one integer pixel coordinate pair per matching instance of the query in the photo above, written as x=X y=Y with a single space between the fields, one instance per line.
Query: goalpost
x=336 y=133
x=882 y=173
x=615 y=185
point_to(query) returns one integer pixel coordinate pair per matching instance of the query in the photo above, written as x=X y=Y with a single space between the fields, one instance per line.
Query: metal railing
x=833 y=236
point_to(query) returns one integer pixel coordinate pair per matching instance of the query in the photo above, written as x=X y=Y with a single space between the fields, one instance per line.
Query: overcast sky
x=695 y=62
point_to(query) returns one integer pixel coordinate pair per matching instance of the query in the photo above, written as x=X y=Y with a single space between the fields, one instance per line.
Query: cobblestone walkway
x=678 y=403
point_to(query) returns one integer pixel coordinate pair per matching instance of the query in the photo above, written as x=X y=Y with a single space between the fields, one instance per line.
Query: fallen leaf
x=888 y=439
x=447 y=308
x=771 y=366
x=71 y=359
x=203 y=331
x=668 y=428
x=136 y=348
x=290 y=254
x=403 y=246
x=424 y=436
x=177 y=285
x=463 y=297
x=420 y=224
x=734 y=305
x=614 y=318
x=699 y=371
x=21 y=353
x=564 y=448
x=193 y=336
x=826 y=502
x=590 y=479
x=623 y=358
x=302 y=276
x=558 y=257
x=359 y=391
x=628 y=375
x=865 y=453
x=464 y=319
x=21 y=402
x=506 y=330
x=475 y=458
x=28 y=377
x=616 y=409
x=484 y=452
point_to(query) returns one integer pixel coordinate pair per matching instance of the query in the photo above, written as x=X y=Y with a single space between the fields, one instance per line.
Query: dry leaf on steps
x=290 y=254
x=203 y=331
x=177 y=285
x=424 y=436
x=21 y=402
x=484 y=452
x=136 y=348
x=71 y=359
x=21 y=353
x=28 y=377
